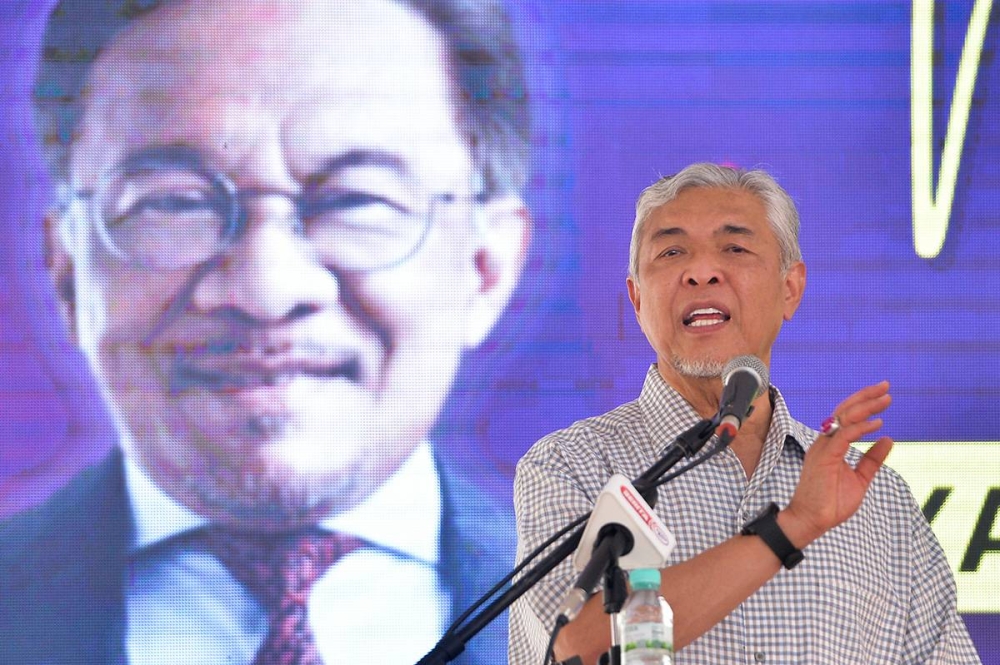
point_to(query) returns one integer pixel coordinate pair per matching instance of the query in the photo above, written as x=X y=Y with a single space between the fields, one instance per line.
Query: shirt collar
x=156 y=516
x=784 y=428
x=402 y=515
x=667 y=413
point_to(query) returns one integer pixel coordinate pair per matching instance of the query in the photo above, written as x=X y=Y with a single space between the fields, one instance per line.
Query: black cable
x=512 y=574
x=712 y=452
x=550 y=651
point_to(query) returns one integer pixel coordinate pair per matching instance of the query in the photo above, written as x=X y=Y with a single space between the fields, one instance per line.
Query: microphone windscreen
x=752 y=363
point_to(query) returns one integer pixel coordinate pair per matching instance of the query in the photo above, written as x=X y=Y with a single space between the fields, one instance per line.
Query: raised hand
x=830 y=490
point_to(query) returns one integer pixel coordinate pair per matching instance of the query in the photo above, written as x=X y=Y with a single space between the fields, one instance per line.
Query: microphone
x=745 y=378
x=622 y=528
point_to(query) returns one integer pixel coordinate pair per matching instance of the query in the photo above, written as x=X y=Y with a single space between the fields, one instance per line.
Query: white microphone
x=745 y=378
x=621 y=520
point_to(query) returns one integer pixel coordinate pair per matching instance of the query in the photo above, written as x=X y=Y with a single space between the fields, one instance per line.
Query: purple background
x=816 y=92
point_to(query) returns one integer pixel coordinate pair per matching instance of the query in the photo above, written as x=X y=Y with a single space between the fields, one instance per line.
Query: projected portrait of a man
x=278 y=227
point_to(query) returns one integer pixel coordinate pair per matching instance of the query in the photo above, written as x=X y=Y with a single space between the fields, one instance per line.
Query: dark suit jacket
x=63 y=567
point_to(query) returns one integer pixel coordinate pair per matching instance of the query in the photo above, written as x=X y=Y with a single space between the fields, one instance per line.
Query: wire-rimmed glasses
x=164 y=211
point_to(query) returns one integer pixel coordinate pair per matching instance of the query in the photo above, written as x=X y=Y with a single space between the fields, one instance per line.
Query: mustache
x=227 y=363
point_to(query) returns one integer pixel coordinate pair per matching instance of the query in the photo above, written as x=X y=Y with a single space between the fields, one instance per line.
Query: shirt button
x=759 y=656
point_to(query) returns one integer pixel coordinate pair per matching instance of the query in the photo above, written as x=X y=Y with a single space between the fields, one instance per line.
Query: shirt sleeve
x=936 y=633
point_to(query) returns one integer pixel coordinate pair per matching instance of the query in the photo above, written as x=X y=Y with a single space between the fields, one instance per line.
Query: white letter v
x=931 y=210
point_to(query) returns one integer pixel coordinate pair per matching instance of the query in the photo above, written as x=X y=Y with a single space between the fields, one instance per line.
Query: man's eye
x=352 y=202
x=168 y=204
x=736 y=249
x=178 y=202
x=669 y=253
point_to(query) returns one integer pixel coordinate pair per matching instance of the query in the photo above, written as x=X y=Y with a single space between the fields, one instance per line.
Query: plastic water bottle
x=646 y=622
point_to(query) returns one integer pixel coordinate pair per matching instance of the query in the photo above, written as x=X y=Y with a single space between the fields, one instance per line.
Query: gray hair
x=484 y=61
x=781 y=212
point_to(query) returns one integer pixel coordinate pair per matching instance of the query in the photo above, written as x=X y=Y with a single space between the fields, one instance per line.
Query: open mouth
x=704 y=317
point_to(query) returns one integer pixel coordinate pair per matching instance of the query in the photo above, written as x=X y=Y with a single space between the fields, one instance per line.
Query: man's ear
x=505 y=228
x=633 y=293
x=59 y=265
x=635 y=297
x=795 y=287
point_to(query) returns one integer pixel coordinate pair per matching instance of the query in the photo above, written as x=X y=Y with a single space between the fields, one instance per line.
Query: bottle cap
x=644 y=578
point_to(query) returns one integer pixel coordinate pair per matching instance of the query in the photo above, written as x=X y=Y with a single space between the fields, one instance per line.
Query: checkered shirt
x=876 y=589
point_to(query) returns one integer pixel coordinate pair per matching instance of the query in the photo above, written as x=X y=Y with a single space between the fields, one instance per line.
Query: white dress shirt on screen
x=382 y=603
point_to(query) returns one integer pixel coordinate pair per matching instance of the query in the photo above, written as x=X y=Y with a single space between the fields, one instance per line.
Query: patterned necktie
x=279 y=570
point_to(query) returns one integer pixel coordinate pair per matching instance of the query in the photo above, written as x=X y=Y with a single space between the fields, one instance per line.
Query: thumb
x=872 y=461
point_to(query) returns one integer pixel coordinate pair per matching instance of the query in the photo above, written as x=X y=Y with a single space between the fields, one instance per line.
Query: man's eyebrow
x=734 y=230
x=668 y=231
x=159 y=155
x=364 y=157
x=724 y=230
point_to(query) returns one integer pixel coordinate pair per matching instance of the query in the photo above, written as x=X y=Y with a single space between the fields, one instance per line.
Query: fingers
x=866 y=409
x=848 y=434
x=864 y=403
x=856 y=417
x=871 y=461
x=852 y=433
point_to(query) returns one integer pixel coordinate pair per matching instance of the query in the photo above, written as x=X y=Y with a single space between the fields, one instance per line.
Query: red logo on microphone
x=639 y=506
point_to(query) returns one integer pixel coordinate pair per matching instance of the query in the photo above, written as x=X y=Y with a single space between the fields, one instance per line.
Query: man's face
x=710 y=282
x=270 y=387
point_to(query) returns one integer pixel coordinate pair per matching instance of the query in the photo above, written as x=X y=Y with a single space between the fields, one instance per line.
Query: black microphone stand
x=452 y=644
x=687 y=444
x=615 y=594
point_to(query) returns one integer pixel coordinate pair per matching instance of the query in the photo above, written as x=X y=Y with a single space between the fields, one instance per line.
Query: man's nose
x=271 y=272
x=702 y=269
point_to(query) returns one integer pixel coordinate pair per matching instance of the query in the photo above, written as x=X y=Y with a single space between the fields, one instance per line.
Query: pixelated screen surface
x=469 y=335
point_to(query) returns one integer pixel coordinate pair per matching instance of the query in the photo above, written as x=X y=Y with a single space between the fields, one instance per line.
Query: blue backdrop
x=818 y=93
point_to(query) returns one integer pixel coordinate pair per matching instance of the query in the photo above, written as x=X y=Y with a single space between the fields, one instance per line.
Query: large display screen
x=478 y=299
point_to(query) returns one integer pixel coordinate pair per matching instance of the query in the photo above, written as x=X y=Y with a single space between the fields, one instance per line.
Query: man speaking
x=278 y=226
x=791 y=547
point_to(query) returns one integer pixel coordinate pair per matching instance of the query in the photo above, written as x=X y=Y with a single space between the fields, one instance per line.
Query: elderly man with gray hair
x=791 y=546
